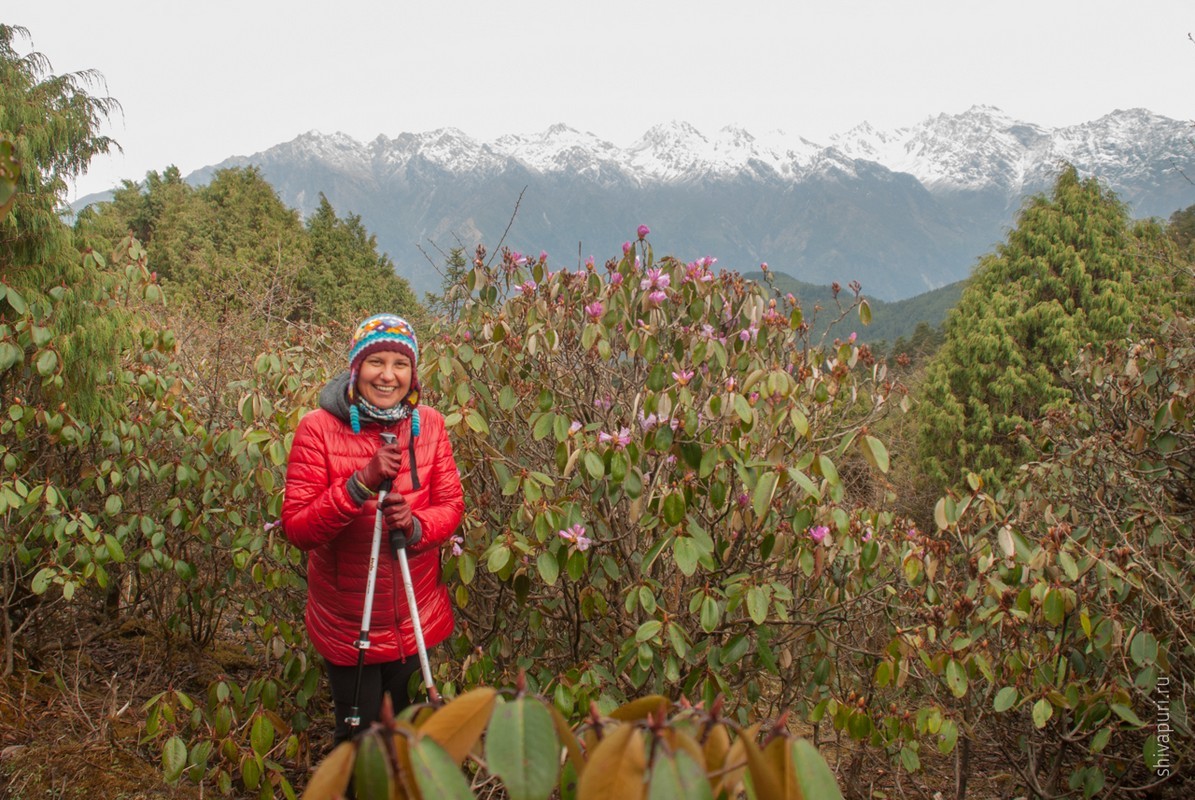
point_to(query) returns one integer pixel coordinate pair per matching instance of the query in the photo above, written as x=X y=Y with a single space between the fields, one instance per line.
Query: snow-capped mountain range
x=903 y=210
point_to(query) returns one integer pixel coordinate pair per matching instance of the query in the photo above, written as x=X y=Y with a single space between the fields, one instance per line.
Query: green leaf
x=829 y=471
x=543 y=426
x=909 y=759
x=956 y=678
x=9 y=354
x=865 y=313
x=522 y=749
x=475 y=421
x=1005 y=699
x=1127 y=714
x=677 y=775
x=1068 y=565
x=1144 y=649
x=174 y=758
x=42 y=580
x=757 y=605
x=743 y=408
x=47 y=362
x=16 y=301
x=1042 y=711
x=709 y=614
x=674 y=508
x=499 y=556
x=684 y=552
x=763 y=493
x=549 y=567
x=594 y=465
x=261 y=736
x=875 y=452
x=435 y=772
x=1054 y=607
x=648 y=631
x=949 y=737
x=114 y=550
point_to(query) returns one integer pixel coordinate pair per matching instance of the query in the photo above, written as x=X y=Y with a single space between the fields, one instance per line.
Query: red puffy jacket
x=320 y=517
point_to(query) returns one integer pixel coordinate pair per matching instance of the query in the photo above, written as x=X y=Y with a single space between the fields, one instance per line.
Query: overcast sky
x=202 y=81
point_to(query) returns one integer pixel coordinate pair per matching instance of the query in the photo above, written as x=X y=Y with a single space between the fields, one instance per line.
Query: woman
x=337 y=463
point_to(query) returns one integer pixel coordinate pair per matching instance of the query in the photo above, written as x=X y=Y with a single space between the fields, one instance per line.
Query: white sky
x=202 y=81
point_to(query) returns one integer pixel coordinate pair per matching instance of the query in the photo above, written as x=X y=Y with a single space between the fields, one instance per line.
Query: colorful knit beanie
x=378 y=333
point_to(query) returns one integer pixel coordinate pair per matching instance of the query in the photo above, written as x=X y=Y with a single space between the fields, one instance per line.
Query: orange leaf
x=331 y=778
x=458 y=725
x=616 y=767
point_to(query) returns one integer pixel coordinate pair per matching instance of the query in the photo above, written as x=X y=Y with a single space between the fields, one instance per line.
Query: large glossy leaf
x=436 y=774
x=767 y=780
x=641 y=707
x=566 y=735
x=523 y=750
x=332 y=775
x=457 y=726
x=174 y=758
x=373 y=775
x=616 y=767
x=677 y=775
x=814 y=778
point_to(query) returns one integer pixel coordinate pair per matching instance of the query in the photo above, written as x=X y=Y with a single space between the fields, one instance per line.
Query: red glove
x=383 y=466
x=397 y=513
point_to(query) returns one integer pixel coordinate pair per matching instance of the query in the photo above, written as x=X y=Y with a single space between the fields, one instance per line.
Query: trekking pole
x=354 y=717
x=432 y=694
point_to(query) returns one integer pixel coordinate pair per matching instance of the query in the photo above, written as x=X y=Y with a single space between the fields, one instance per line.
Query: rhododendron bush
x=671 y=487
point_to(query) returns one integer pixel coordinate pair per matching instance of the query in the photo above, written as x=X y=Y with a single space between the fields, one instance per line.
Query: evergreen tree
x=52 y=123
x=346 y=278
x=1075 y=271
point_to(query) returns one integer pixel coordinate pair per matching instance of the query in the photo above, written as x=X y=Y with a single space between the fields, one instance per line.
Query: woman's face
x=384 y=378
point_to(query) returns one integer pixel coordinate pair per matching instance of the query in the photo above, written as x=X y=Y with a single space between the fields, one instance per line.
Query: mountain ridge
x=904 y=210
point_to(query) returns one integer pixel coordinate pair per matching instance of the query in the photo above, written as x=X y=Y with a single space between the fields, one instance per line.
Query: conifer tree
x=345 y=277
x=1075 y=271
x=53 y=124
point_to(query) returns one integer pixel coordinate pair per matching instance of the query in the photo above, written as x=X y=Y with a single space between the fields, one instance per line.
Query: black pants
x=391 y=677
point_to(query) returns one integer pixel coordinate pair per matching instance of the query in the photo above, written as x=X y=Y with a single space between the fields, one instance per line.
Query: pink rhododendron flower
x=457 y=541
x=648 y=422
x=867 y=534
x=819 y=533
x=683 y=377
x=656 y=278
x=657 y=298
x=269 y=526
x=626 y=248
x=594 y=310
x=852 y=337
x=616 y=279
x=543 y=255
x=576 y=535
x=643 y=231
x=589 y=263
x=743 y=499
x=619 y=440
x=528 y=288
x=572 y=429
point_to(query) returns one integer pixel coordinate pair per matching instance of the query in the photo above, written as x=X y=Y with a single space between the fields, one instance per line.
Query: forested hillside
x=706 y=550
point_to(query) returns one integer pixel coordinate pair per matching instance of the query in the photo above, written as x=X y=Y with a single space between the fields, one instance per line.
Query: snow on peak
x=981 y=148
